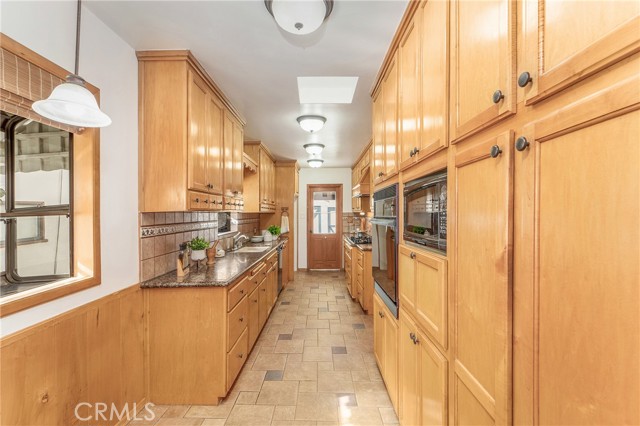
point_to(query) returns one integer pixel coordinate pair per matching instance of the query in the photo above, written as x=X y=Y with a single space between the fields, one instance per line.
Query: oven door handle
x=384 y=222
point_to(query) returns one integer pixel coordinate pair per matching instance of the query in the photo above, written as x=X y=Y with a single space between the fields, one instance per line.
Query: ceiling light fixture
x=71 y=102
x=299 y=17
x=314 y=148
x=315 y=162
x=311 y=123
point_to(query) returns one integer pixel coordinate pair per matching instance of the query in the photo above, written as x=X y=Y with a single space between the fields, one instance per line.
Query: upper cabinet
x=564 y=42
x=385 y=124
x=483 y=48
x=361 y=182
x=190 y=137
x=260 y=188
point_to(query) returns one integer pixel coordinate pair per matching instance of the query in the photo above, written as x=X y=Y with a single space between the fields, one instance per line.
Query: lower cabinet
x=422 y=377
x=385 y=343
x=200 y=337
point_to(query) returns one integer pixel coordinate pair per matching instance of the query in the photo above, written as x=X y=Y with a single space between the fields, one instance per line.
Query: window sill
x=46 y=293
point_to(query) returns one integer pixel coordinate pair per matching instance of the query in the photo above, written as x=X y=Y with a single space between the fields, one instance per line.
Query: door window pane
x=324 y=212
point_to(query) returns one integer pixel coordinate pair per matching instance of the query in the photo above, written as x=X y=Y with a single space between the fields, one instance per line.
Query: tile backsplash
x=162 y=233
x=352 y=222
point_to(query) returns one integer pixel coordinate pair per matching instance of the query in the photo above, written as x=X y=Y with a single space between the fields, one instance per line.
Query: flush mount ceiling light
x=71 y=102
x=314 y=148
x=311 y=123
x=315 y=162
x=299 y=16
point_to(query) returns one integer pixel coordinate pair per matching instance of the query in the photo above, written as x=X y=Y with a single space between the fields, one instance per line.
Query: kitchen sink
x=254 y=249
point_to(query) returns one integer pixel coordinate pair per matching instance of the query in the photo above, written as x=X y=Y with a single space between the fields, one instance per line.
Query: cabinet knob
x=380 y=174
x=522 y=143
x=413 y=338
x=197 y=200
x=497 y=96
x=412 y=255
x=524 y=79
x=241 y=319
x=206 y=201
x=495 y=151
x=242 y=291
x=241 y=356
x=380 y=314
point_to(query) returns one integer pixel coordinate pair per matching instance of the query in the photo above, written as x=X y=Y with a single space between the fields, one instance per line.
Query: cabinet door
x=431 y=295
x=215 y=145
x=408 y=371
x=433 y=383
x=390 y=110
x=564 y=42
x=377 y=169
x=435 y=77
x=264 y=177
x=238 y=145
x=263 y=295
x=406 y=277
x=482 y=238
x=482 y=64
x=197 y=134
x=409 y=99
x=582 y=249
x=227 y=158
x=378 y=332
x=391 y=357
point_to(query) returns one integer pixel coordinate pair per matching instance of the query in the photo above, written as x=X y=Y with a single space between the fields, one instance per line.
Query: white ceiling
x=257 y=64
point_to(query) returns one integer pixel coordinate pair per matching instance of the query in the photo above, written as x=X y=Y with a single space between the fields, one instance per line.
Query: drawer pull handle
x=522 y=143
x=240 y=356
x=380 y=314
x=497 y=96
x=197 y=200
x=242 y=291
x=413 y=338
x=241 y=319
x=524 y=79
x=412 y=255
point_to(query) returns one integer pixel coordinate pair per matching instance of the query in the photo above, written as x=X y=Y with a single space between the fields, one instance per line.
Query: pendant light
x=299 y=16
x=311 y=123
x=71 y=102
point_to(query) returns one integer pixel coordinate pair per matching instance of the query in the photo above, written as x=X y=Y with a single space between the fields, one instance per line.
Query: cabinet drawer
x=237 y=292
x=360 y=258
x=215 y=202
x=197 y=201
x=237 y=321
x=359 y=274
x=237 y=357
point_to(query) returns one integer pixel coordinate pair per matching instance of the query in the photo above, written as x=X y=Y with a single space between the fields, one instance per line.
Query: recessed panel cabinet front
x=482 y=234
x=198 y=134
x=579 y=270
x=565 y=42
x=482 y=64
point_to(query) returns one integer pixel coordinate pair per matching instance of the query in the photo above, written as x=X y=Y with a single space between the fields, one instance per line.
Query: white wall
x=310 y=176
x=106 y=61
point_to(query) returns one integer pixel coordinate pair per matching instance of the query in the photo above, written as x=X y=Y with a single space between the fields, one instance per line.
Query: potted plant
x=198 y=246
x=275 y=231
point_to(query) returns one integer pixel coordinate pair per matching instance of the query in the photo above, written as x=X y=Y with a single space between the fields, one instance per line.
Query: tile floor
x=313 y=364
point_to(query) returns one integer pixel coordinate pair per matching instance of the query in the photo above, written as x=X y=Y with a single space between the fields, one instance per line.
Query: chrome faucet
x=238 y=240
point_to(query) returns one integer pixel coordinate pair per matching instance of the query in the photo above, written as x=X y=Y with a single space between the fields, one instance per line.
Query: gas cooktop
x=361 y=239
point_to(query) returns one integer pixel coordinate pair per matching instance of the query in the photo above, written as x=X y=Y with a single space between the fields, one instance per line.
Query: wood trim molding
x=86 y=203
x=264 y=147
x=186 y=55
x=362 y=153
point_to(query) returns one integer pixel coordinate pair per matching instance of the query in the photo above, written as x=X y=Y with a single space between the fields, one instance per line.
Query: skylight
x=326 y=90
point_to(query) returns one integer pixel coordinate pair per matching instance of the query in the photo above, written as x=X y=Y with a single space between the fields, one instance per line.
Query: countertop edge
x=164 y=281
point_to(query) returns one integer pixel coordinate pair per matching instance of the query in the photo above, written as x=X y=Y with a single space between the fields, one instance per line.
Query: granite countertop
x=361 y=247
x=224 y=272
x=365 y=247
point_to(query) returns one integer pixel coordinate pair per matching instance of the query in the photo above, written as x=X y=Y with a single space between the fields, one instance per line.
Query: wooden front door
x=324 y=226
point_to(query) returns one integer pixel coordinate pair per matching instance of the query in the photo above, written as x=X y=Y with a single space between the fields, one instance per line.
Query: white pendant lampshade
x=315 y=162
x=311 y=123
x=299 y=16
x=72 y=103
x=314 y=148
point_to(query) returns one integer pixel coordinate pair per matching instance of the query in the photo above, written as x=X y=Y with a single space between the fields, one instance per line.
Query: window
x=324 y=212
x=35 y=204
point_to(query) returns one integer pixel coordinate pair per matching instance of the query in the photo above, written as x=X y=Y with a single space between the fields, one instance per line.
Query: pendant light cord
x=78 y=36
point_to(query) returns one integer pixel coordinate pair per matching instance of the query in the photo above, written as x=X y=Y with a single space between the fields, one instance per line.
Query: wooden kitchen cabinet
x=377 y=166
x=423 y=377
x=423 y=290
x=482 y=316
x=185 y=124
x=564 y=43
x=348 y=268
x=390 y=114
x=360 y=182
x=483 y=49
x=409 y=80
x=385 y=334
x=577 y=300
x=260 y=188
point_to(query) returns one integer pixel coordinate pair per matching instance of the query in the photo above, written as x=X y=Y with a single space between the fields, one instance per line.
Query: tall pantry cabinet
x=541 y=297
